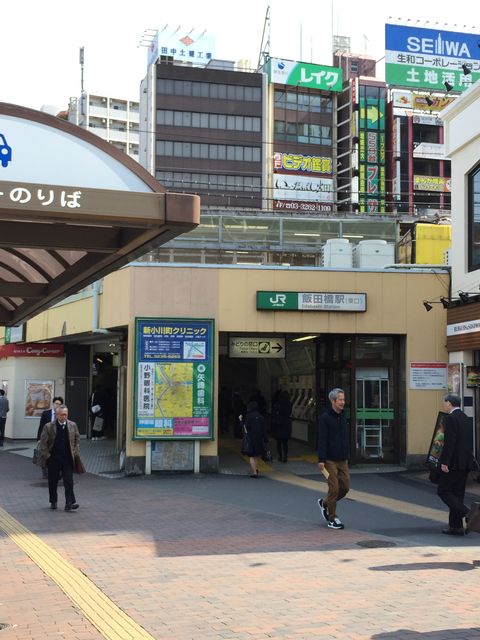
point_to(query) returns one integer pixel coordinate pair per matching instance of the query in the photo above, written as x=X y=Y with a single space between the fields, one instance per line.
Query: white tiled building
x=114 y=119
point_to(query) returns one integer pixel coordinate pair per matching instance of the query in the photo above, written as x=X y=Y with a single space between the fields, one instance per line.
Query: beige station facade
x=370 y=353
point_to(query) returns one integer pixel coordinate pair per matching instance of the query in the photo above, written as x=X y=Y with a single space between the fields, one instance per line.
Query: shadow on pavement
x=473 y=633
x=420 y=566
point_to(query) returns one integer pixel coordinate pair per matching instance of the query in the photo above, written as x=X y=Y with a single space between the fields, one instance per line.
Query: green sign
x=372 y=113
x=311 y=301
x=401 y=75
x=305 y=74
x=14 y=334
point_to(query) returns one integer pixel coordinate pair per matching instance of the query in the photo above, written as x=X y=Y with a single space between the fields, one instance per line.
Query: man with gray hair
x=455 y=461
x=333 y=446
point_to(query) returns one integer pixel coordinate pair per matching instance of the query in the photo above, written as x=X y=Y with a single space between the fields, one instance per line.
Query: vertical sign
x=173 y=379
x=372 y=149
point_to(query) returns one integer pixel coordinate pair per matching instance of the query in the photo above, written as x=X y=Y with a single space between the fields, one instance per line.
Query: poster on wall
x=454 y=378
x=473 y=377
x=38 y=397
x=428 y=375
x=173 y=379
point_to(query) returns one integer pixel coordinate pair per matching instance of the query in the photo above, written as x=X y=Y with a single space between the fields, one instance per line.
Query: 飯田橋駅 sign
x=311 y=301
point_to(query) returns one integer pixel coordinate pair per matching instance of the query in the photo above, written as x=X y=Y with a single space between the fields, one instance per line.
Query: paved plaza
x=180 y=557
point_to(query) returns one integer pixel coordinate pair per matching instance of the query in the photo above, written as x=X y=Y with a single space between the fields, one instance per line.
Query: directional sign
x=256 y=347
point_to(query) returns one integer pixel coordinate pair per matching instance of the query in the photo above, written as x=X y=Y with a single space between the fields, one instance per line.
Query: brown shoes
x=453 y=531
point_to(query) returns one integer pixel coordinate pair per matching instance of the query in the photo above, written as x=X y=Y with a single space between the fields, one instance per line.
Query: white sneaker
x=336 y=523
x=323 y=509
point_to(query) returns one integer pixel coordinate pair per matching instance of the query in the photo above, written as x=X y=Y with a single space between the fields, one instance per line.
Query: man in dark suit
x=456 y=460
x=59 y=445
x=49 y=415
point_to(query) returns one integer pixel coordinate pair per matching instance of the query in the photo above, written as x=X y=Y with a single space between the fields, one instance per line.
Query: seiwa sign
x=428 y=58
x=431 y=41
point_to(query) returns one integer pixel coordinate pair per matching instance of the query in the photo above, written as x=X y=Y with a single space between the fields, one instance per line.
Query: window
x=207 y=120
x=203 y=150
x=474 y=220
x=208 y=181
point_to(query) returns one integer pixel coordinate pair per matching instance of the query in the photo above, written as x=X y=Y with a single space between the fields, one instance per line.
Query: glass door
x=374 y=435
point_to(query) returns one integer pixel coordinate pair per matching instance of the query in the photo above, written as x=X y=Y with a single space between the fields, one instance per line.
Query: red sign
x=32 y=350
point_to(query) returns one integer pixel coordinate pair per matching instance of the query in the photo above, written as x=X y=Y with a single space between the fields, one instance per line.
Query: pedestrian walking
x=254 y=425
x=238 y=409
x=281 y=423
x=456 y=460
x=49 y=415
x=59 y=444
x=97 y=410
x=333 y=448
x=4 y=409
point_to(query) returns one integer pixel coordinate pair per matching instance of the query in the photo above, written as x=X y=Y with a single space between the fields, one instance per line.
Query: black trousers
x=2 y=429
x=55 y=467
x=282 y=449
x=451 y=489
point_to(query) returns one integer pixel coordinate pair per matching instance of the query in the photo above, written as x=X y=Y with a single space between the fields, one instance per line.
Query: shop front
x=366 y=345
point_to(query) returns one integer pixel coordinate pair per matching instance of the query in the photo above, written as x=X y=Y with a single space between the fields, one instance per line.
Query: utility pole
x=82 y=90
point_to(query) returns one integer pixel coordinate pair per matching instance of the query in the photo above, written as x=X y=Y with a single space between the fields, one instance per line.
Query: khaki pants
x=338 y=484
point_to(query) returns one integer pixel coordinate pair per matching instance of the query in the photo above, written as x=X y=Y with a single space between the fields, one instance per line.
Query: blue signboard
x=173 y=379
x=421 y=58
x=417 y=40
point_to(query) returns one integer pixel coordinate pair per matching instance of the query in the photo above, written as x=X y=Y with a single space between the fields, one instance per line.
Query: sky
x=40 y=41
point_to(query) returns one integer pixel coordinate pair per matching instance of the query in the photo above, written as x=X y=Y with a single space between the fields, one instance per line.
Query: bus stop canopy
x=73 y=208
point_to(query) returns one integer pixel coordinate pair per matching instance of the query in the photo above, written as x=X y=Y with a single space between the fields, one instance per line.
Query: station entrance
x=370 y=369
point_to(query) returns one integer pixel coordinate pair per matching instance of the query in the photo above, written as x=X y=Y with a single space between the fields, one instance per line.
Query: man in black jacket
x=456 y=460
x=333 y=445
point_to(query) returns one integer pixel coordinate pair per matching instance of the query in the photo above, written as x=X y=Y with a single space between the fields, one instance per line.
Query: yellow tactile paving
x=105 y=615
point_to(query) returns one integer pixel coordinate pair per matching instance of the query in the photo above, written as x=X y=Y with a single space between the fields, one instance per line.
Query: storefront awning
x=72 y=209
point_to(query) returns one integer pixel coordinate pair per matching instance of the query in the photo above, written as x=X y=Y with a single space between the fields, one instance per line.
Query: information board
x=173 y=378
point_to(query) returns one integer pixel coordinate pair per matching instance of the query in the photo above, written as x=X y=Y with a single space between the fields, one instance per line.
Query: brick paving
x=232 y=558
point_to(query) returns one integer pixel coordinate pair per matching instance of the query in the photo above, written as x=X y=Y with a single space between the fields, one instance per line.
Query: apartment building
x=116 y=120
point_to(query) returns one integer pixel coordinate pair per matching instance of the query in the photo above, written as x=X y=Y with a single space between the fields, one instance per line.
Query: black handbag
x=246 y=447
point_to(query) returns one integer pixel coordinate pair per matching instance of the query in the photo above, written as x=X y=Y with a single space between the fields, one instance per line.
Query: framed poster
x=38 y=397
x=436 y=445
x=473 y=377
x=173 y=379
x=454 y=378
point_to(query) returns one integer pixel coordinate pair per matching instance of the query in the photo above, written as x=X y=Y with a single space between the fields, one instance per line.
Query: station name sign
x=311 y=301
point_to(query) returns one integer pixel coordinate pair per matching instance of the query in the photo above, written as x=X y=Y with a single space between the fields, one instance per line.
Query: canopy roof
x=72 y=209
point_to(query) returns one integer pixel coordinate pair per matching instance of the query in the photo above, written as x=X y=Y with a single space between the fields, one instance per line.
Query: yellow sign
x=431 y=183
x=438 y=102
x=301 y=163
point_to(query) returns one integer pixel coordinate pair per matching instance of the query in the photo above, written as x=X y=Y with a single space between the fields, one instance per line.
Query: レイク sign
x=304 y=74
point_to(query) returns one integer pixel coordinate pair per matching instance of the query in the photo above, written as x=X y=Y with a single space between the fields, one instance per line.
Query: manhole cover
x=376 y=544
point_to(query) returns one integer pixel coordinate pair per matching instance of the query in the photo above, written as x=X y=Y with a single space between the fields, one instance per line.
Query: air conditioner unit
x=104 y=121
x=104 y=99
